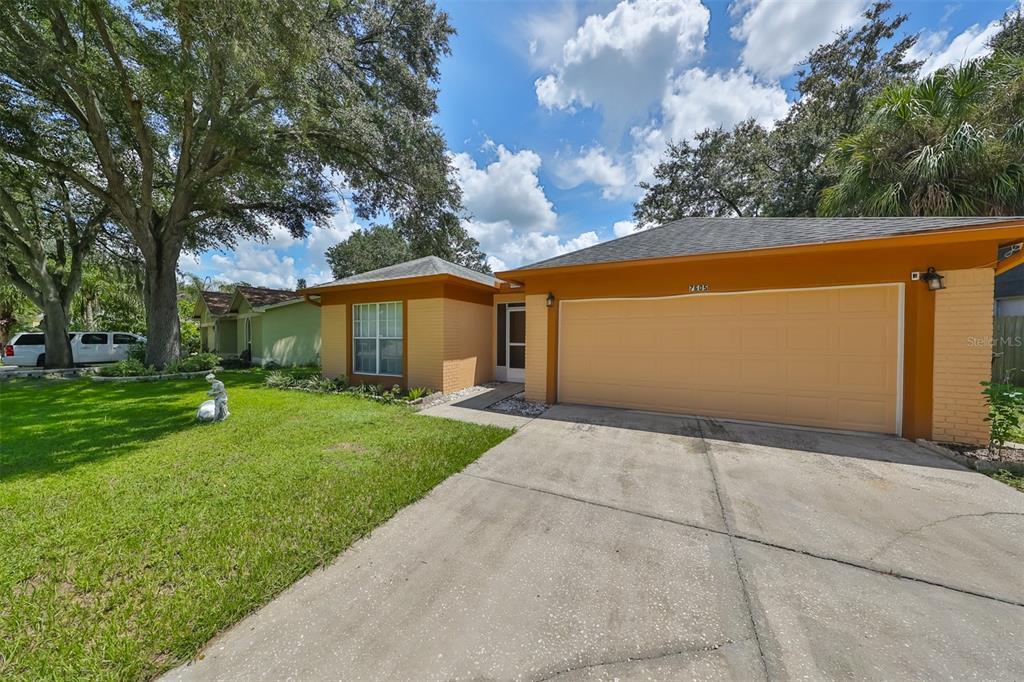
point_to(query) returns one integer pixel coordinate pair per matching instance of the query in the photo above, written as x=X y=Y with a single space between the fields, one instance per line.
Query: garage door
x=813 y=357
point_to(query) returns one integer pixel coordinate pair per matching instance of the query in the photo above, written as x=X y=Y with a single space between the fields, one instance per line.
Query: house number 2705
x=699 y=288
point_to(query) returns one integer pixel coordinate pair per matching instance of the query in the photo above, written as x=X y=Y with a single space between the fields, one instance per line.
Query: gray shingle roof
x=697 y=236
x=421 y=267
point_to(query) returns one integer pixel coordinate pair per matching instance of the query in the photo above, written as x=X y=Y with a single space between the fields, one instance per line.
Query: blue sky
x=553 y=111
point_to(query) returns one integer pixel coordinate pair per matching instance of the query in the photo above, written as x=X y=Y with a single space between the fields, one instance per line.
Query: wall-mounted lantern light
x=550 y=299
x=933 y=280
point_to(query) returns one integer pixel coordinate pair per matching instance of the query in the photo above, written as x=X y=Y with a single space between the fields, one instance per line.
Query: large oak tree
x=48 y=229
x=209 y=121
x=750 y=171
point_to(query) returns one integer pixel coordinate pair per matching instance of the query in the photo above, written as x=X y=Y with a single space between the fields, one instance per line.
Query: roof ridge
x=726 y=234
x=249 y=286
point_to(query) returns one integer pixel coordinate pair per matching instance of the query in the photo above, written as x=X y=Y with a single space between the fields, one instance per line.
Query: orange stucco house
x=867 y=324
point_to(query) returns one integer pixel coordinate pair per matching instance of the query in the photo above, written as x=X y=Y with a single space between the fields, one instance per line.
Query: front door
x=515 y=323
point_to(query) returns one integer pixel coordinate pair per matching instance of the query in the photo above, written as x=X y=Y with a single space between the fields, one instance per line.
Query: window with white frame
x=377 y=338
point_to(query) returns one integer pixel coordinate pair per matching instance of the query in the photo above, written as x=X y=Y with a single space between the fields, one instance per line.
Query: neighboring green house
x=217 y=326
x=261 y=325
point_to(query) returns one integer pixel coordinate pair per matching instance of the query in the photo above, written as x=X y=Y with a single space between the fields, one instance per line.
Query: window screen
x=377 y=338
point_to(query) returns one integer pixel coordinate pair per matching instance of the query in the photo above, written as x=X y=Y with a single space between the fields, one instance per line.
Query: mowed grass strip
x=131 y=534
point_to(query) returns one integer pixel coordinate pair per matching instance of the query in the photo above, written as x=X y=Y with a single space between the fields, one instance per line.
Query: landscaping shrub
x=137 y=352
x=198 y=362
x=317 y=383
x=1005 y=407
x=278 y=379
x=134 y=365
x=127 y=368
x=190 y=337
x=417 y=393
x=306 y=381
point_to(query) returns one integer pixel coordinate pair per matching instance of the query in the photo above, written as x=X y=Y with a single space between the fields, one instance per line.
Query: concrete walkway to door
x=607 y=544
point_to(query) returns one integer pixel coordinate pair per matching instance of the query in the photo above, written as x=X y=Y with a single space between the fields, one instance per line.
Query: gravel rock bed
x=1012 y=452
x=519 y=406
x=980 y=458
x=439 y=398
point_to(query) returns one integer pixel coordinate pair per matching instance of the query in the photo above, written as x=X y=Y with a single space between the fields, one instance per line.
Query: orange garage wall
x=783 y=269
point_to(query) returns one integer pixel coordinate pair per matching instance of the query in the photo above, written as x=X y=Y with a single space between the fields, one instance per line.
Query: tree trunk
x=7 y=321
x=90 y=321
x=163 y=335
x=55 y=324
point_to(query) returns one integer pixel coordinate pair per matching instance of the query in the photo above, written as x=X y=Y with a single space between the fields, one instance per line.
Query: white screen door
x=515 y=325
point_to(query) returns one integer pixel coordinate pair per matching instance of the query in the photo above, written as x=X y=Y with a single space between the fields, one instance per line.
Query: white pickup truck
x=28 y=349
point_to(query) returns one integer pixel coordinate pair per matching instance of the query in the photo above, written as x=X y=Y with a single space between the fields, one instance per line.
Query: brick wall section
x=963 y=356
x=334 y=340
x=467 y=345
x=536 y=347
x=426 y=339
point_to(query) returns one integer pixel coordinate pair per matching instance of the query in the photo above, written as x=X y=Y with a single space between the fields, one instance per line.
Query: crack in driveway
x=643 y=658
x=913 y=531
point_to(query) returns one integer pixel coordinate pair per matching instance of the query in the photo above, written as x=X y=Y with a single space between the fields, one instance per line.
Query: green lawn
x=1010 y=479
x=131 y=535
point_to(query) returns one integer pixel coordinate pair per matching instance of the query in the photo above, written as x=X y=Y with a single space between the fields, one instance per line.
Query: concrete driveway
x=605 y=544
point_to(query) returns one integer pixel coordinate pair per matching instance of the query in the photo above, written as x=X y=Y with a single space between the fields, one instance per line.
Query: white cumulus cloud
x=546 y=33
x=697 y=100
x=595 y=165
x=621 y=228
x=268 y=263
x=256 y=264
x=691 y=102
x=619 y=61
x=509 y=213
x=937 y=50
x=778 y=34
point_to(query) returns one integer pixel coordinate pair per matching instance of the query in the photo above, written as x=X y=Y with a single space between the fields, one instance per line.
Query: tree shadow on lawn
x=48 y=426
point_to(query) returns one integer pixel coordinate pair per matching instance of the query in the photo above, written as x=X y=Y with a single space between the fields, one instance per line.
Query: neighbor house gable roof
x=261 y=297
x=428 y=266
x=706 y=236
x=217 y=302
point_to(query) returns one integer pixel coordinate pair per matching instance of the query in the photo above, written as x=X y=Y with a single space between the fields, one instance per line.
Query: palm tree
x=952 y=144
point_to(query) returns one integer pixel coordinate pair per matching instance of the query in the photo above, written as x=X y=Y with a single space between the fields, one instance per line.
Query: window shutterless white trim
x=900 y=332
x=391 y=324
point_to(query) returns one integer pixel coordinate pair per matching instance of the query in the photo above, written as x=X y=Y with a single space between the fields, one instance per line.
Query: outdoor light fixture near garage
x=550 y=299
x=933 y=280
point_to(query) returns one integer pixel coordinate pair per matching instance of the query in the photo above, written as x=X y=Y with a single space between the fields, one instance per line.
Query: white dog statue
x=217 y=409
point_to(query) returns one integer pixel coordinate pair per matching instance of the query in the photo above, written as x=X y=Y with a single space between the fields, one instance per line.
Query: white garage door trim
x=900 y=340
